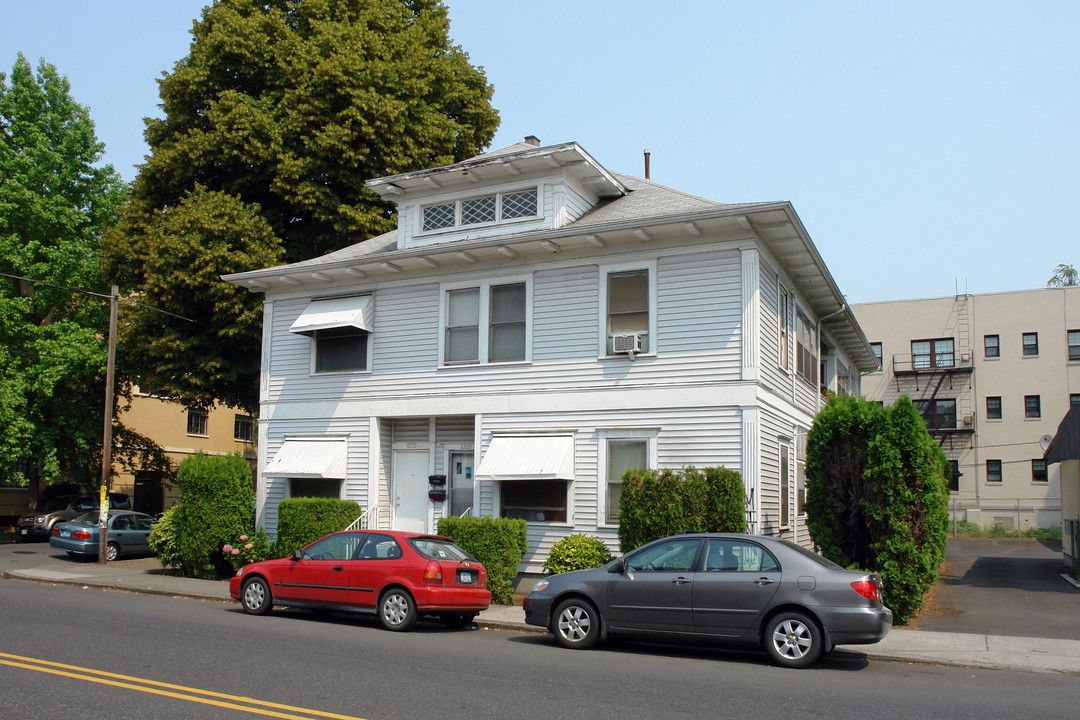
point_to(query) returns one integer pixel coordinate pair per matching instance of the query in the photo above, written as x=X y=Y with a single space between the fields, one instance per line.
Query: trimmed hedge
x=216 y=496
x=658 y=503
x=303 y=520
x=498 y=543
x=576 y=552
x=876 y=495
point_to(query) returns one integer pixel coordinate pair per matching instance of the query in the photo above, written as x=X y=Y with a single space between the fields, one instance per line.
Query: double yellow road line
x=180 y=692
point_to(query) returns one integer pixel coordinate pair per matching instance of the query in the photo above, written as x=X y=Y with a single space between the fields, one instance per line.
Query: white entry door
x=410 y=490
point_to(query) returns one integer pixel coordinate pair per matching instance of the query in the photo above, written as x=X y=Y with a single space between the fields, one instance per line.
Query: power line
x=98 y=295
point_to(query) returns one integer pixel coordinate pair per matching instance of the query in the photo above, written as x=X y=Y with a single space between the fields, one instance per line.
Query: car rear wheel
x=112 y=551
x=255 y=597
x=793 y=640
x=457 y=620
x=576 y=625
x=396 y=610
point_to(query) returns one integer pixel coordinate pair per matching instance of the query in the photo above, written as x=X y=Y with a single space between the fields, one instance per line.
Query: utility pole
x=106 y=448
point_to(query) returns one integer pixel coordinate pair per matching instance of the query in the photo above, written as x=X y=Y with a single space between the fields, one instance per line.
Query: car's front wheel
x=255 y=597
x=396 y=610
x=576 y=624
x=793 y=640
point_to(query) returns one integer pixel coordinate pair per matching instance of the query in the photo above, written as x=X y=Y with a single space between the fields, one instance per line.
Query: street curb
x=15 y=575
x=1069 y=579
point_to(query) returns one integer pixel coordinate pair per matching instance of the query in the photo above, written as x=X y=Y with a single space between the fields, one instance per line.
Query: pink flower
x=243 y=538
x=236 y=551
x=227 y=548
x=248 y=546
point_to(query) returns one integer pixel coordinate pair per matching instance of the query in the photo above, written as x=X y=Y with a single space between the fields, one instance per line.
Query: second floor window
x=783 y=326
x=496 y=312
x=243 y=428
x=1031 y=344
x=1032 y=406
x=875 y=347
x=340 y=349
x=197 y=422
x=806 y=347
x=932 y=353
x=628 y=307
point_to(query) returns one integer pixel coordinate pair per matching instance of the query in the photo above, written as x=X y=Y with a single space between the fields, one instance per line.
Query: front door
x=410 y=491
x=461 y=484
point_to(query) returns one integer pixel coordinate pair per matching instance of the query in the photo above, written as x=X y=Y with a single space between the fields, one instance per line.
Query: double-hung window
x=486 y=323
x=1039 y=473
x=783 y=326
x=197 y=421
x=1032 y=406
x=993 y=407
x=243 y=428
x=785 y=482
x=938 y=414
x=1030 y=342
x=806 y=347
x=991 y=346
x=623 y=450
x=1073 y=337
x=340 y=331
x=932 y=354
x=628 y=309
x=993 y=471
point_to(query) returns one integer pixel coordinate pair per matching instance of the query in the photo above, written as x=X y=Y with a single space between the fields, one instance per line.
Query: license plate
x=65 y=533
x=467 y=577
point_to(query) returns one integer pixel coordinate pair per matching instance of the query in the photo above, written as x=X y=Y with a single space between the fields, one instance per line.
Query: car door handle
x=338 y=568
x=680 y=581
x=764 y=581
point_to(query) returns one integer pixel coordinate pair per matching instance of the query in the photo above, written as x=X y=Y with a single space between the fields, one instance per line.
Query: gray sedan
x=128 y=535
x=737 y=589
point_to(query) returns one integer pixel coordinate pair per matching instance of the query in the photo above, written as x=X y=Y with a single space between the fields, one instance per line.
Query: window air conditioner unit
x=629 y=344
x=969 y=419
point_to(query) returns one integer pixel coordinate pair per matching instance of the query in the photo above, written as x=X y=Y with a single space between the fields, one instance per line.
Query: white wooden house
x=536 y=325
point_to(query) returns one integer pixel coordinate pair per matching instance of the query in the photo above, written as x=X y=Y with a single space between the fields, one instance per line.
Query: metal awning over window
x=528 y=457
x=356 y=312
x=314 y=458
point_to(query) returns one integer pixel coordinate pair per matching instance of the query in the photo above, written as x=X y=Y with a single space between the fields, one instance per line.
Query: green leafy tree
x=288 y=106
x=55 y=201
x=1064 y=276
x=876 y=496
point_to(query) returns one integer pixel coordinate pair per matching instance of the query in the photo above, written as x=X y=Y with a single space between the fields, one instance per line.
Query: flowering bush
x=248 y=549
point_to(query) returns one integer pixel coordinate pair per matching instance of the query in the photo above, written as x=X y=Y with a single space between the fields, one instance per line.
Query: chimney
x=532 y=140
x=647 y=152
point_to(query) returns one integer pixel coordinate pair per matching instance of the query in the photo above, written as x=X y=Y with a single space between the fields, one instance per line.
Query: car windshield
x=90 y=518
x=824 y=562
x=436 y=549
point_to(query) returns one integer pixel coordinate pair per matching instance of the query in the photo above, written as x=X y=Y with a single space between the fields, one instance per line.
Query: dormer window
x=484 y=210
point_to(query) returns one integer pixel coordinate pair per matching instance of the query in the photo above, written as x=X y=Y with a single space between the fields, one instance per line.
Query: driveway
x=1002 y=587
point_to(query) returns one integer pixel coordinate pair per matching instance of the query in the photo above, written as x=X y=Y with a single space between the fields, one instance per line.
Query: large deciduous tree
x=876 y=495
x=54 y=202
x=288 y=106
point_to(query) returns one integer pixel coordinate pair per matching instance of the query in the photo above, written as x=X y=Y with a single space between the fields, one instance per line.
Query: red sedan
x=395 y=575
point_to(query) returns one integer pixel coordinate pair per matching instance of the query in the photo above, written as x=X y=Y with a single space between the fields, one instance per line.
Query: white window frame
x=313 y=368
x=815 y=348
x=484 y=328
x=783 y=327
x=649 y=435
x=784 y=495
x=604 y=272
x=458 y=201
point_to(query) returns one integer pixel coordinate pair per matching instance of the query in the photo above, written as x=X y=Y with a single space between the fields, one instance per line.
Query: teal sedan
x=128 y=535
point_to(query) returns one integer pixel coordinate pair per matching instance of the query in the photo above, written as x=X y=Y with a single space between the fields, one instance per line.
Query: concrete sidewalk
x=919 y=646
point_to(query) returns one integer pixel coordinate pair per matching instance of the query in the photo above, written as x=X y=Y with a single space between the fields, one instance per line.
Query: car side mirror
x=297 y=554
x=619 y=566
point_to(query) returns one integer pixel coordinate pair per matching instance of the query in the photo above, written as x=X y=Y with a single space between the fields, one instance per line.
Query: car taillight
x=433 y=573
x=867 y=588
x=55 y=530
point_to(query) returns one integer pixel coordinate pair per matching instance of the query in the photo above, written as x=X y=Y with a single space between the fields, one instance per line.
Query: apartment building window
x=1031 y=344
x=875 y=347
x=938 y=414
x=340 y=349
x=1074 y=344
x=340 y=332
x=243 y=428
x=993 y=471
x=498 y=312
x=954 y=475
x=991 y=346
x=932 y=353
x=1038 y=471
x=993 y=408
x=783 y=326
x=1032 y=406
x=806 y=358
x=785 y=482
x=196 y=422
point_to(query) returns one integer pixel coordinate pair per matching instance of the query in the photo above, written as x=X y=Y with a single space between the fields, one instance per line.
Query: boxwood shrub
x=499 y=543
x=303 y=520
x=576 y=552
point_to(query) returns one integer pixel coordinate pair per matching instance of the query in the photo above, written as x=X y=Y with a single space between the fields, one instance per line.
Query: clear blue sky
x=927 y=146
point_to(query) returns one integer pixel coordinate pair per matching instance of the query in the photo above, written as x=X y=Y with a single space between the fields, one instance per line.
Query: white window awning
x=528 y=457
x=313 y=458
x=357 y=312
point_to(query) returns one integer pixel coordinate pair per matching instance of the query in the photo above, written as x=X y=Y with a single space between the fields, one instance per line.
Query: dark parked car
x=39 y=525
x=398 y=576
x=738 y=589
x=128 y=533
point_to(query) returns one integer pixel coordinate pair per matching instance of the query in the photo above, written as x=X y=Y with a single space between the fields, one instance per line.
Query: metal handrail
x=467 y=510
x=360 y=524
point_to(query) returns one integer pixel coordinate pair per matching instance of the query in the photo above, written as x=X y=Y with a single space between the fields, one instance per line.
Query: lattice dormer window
x=484 y=210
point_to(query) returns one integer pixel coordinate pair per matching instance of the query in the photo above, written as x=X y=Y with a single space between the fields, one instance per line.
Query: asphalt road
x=353 y=668
x=1003 y=587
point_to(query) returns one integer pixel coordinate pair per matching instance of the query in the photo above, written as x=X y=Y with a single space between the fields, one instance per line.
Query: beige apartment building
x=993 y=376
